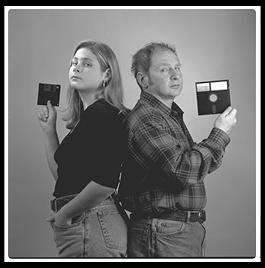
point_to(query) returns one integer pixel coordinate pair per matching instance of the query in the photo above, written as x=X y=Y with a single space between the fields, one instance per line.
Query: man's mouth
x=175 y=86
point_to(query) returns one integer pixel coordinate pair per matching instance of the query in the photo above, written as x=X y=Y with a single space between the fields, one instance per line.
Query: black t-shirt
x=94 y=150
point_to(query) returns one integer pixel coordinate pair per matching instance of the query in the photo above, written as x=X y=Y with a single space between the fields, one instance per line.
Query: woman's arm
x=51 y=143
x=47 y=118
x=92 y=195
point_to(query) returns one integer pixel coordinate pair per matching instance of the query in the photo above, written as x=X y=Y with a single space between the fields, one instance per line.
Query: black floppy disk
x=49 y=92
x=213 y=97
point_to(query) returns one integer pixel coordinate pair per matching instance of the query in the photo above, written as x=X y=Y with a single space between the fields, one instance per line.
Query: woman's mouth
x=74 y=77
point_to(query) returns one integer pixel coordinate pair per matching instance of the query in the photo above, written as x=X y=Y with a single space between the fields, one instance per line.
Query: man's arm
x=157 y=147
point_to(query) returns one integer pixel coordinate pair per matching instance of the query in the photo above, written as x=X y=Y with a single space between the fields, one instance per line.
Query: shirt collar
x=98 y=106
x=154 y=102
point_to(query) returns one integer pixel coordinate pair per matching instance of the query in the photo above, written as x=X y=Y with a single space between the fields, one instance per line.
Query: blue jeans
x=97 y=232
x=165 y=238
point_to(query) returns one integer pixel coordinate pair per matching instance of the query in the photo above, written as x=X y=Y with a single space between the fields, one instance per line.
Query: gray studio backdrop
x=212 y=44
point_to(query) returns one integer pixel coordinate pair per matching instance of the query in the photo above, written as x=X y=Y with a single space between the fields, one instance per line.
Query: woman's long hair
x=112 y=92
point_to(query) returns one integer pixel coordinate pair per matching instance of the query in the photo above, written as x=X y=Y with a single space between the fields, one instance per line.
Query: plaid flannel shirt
x=164 y=168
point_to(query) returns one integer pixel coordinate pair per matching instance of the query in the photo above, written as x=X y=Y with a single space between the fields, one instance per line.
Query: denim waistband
x=177 y=215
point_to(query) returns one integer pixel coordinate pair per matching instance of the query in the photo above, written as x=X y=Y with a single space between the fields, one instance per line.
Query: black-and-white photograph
x=132 y=133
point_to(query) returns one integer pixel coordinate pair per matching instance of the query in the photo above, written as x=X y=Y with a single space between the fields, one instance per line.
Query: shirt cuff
x=220 y=137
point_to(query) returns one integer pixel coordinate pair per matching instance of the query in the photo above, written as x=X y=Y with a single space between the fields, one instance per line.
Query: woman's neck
x=88 y=98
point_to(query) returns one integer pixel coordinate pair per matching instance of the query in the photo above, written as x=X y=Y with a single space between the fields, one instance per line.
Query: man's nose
x=175 y=74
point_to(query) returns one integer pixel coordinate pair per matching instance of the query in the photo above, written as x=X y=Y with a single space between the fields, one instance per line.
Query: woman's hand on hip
x=60 y=219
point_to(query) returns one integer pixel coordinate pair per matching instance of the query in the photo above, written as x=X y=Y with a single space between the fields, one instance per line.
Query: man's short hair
x=141 y=60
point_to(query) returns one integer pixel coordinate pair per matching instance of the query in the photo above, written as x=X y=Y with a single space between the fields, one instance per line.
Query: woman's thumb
x=50 y=107
x=49 y=104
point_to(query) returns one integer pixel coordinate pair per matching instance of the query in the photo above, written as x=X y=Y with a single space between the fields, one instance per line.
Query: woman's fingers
x=43 y=115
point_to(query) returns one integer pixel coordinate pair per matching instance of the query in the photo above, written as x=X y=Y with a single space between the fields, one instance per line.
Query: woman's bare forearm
x=92 y=195
x=51 y=143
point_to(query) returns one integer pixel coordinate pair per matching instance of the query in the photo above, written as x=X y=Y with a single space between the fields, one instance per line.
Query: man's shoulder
x=143 y=113
x=140 y=109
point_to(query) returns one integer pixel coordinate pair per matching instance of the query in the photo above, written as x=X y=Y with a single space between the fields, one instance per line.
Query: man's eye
x=178 y=67
x=163 y=70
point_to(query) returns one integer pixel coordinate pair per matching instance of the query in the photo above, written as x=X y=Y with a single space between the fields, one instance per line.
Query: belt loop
x=55 y=205
x=188 y=215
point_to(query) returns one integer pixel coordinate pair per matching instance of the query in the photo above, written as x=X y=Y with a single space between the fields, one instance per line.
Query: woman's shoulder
x=100 y=107
x=102 y=111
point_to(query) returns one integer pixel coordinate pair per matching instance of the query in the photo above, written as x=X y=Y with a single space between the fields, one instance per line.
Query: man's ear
x=142 y=80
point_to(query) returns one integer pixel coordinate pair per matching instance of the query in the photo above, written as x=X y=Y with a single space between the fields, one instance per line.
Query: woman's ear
x=142 y=80
x=107 y=75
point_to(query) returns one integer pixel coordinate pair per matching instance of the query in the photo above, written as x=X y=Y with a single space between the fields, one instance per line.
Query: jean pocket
x=169 y=227
x=76 y=221
x=114 y=229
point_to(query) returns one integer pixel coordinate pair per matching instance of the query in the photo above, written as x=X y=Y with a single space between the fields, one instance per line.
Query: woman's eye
x=87 y=64
x=73 y=63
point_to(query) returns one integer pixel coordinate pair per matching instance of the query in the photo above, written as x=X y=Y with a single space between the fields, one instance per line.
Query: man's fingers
x=232 y=113
x=227 y=111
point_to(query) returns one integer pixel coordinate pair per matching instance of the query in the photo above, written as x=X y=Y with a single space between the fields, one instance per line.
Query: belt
x=179 y=215
x=58 y=203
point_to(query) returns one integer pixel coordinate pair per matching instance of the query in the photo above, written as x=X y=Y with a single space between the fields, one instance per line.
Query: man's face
x=165 y=77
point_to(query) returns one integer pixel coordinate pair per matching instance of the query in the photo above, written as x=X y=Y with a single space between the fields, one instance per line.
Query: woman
x=87 y=222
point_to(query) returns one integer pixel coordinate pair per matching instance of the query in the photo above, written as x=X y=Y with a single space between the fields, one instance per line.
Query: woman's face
x=85 y=72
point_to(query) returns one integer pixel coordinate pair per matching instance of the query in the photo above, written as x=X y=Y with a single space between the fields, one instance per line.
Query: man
x=162 y=183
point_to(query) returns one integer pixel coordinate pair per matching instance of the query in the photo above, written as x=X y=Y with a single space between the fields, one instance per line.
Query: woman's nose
x=77 y=68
